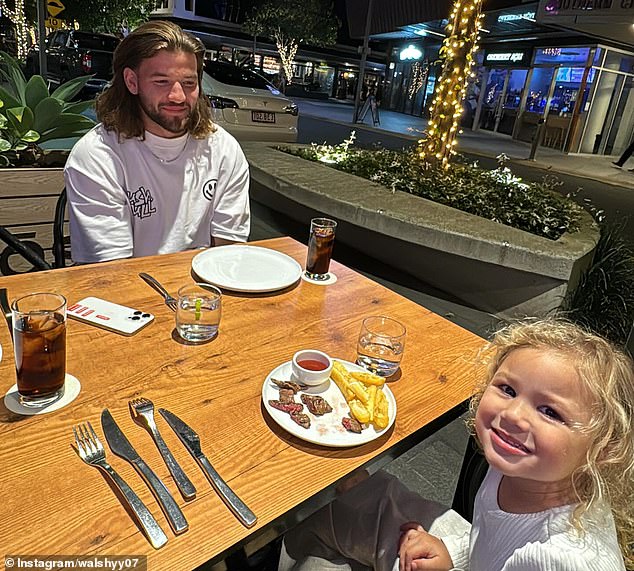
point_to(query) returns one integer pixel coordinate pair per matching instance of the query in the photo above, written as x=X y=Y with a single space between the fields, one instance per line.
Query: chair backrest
x=31 y=250
x=61 y=243
x=473 y=471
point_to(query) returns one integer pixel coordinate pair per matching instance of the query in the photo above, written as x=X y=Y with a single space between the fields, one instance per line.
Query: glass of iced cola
x=39 y=342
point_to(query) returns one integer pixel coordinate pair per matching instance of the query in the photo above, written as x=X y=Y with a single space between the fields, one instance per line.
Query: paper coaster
x=332 y=278
x=71 y=390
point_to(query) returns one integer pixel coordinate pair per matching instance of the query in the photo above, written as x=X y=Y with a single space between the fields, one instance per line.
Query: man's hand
x=418 y=550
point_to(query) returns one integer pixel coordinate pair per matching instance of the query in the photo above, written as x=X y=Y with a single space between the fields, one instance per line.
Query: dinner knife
x=121 y=446
x=191 y=440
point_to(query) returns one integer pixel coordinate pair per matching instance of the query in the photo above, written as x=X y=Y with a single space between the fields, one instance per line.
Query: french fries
x=368 y=378
x=364 y=394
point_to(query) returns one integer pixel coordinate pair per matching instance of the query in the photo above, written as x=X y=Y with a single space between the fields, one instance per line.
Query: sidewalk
x=485 y=143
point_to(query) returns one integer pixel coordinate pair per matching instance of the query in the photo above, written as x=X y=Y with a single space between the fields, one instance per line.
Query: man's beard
x=176 y=125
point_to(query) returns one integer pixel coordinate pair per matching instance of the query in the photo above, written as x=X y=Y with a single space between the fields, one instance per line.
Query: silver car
x=247 y=105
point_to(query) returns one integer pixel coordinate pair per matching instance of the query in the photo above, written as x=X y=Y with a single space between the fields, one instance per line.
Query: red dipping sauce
x=312 y=365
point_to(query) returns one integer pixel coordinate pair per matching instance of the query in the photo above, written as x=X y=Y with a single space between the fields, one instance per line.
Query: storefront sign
x=410 y=53
x=565 y=9
x=577 y=55
x=516 y=17
x=609 y=19
x=507 y=58
x=573 y=6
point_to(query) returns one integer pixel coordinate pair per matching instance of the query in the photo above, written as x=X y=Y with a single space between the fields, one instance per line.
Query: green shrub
x=494 y=194
x=603 y=301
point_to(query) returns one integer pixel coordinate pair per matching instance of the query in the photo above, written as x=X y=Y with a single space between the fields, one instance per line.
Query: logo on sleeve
x=209 y=188
x=141 y=202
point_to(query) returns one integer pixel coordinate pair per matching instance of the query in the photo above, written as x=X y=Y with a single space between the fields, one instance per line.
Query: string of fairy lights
x=420 y=72
x=18 y=19
x=458 y=51
x=287 y=51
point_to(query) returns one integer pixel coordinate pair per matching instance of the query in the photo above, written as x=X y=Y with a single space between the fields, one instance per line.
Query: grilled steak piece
x=300 y=418
x=351 y=424
x=295 y=387
x=287 y=396
x=315 y=404
x=289 y=407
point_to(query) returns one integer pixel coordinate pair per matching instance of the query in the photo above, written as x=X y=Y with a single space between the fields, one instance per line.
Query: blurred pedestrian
x=626 y=155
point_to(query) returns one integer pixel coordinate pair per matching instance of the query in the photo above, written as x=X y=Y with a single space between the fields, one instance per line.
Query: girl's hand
x=418 y=550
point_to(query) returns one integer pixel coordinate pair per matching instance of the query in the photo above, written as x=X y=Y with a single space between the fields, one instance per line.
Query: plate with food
x=351 y=408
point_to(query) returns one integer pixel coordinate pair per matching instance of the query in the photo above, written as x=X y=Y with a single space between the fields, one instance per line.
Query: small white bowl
x=304 y=367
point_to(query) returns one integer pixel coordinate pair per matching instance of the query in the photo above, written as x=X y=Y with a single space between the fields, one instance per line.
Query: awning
x=389 y=15
x=605 y=19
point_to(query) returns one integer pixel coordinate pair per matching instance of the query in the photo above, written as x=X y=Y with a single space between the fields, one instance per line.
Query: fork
x=170 y=301
x=92 y=452
x=142 y=411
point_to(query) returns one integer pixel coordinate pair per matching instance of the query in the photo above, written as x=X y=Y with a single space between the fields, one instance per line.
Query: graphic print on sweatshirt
x=209 y=189
x=141 y=202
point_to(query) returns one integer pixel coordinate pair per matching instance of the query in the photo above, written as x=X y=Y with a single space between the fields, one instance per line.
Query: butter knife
x=121 y=446
x=191 y=440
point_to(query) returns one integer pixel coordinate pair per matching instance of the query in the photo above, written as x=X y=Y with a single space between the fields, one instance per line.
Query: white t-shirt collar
x=166 y=149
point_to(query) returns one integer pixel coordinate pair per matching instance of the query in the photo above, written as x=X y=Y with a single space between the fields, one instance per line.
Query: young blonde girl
x=555 y=422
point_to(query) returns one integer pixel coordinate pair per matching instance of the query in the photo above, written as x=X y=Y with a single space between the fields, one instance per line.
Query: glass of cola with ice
x=320 y=243
x=39 y=343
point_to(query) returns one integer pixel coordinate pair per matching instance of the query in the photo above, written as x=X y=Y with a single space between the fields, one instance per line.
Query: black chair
x=27 y=251
x=473 y=470
x=61 y=243
x=31 y=251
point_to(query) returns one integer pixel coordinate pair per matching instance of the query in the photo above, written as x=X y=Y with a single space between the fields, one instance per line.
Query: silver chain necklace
x=168 y=161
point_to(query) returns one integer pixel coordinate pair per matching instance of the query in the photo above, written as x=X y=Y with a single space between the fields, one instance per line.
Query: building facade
x=576 y=89
x=317 y=72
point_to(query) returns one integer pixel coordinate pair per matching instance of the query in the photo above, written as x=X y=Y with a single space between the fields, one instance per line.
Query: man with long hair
x=155 y=175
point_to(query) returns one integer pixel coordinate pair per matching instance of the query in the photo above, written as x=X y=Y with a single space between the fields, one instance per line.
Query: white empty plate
x=246 y=268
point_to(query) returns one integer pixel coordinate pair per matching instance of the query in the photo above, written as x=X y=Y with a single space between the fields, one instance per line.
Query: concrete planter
x=27 y=208
x=490 y=266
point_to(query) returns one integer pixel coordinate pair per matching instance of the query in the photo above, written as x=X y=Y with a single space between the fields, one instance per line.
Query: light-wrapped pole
x=457 y=53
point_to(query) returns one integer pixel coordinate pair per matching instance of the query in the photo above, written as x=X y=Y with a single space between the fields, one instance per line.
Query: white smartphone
x=110 y=316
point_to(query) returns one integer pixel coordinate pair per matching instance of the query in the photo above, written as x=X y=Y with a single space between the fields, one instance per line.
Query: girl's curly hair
x=607 y=375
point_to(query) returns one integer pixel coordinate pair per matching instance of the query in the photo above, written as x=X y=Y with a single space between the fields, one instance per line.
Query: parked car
x=73 y=53
x=247 y=105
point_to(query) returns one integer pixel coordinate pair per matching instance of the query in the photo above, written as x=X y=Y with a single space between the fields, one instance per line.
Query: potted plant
x=32 y=177
x=30 y=116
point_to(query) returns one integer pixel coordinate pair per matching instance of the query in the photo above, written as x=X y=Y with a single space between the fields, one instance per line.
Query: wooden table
x=52 y=503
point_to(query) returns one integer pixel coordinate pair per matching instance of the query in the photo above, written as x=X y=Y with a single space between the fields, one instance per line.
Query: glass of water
x=380 y=345
x=198 y=312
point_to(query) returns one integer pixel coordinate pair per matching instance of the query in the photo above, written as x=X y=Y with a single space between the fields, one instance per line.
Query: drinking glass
x=198 y=312
x=39 y=345
x=320 y=243
x=380 y=345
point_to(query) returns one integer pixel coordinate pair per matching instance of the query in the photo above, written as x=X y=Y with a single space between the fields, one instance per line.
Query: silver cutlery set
x=92 y=452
